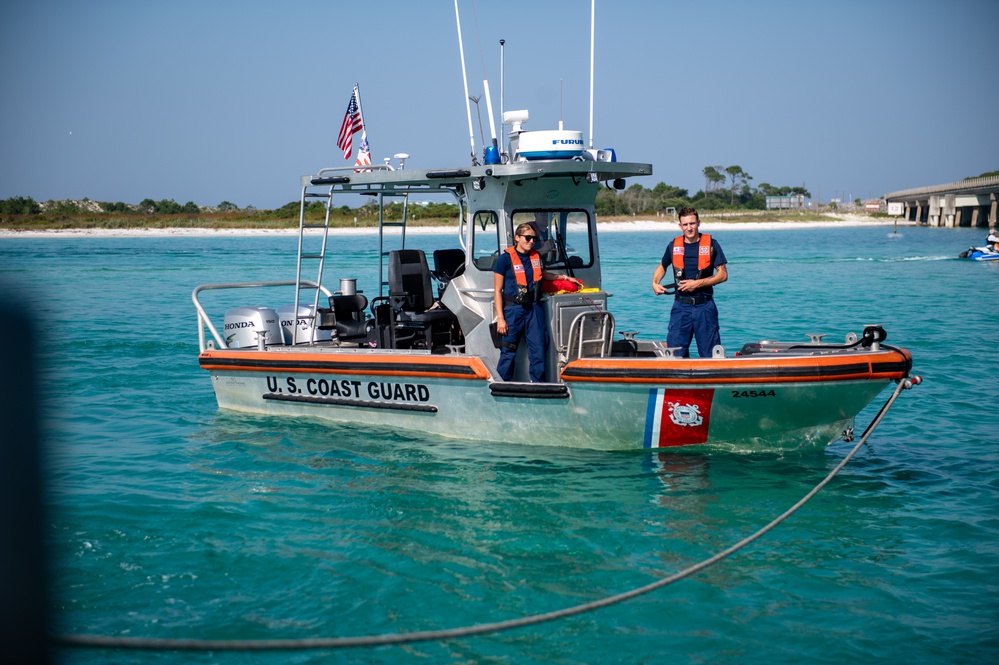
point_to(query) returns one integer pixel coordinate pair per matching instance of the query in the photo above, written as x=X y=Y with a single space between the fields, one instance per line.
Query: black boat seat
x=349 y=313
x=412 y=298
x=448 y=264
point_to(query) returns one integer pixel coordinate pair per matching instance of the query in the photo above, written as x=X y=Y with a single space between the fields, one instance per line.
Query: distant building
x=796 y=201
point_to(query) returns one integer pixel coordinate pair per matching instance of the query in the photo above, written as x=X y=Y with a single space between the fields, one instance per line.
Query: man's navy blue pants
x=688 y=321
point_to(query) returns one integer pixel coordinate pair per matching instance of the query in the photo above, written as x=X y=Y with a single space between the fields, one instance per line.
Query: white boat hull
x=451 y=396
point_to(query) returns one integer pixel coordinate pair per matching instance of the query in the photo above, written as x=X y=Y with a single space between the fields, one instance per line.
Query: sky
x=223 y=100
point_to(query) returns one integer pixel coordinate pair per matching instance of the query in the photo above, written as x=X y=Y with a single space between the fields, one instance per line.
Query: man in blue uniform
x=697 y=264
x=517 y=276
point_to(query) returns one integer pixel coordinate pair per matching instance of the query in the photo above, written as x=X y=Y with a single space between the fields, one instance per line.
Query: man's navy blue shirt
x=690 y=262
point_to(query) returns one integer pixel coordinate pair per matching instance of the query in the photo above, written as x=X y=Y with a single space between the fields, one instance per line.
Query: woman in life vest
x=697 y=264
x=517 y=291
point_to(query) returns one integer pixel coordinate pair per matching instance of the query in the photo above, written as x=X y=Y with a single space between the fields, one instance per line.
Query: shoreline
x=707 y=226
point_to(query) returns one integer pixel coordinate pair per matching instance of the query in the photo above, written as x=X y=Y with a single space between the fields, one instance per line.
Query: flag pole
x=360 y=114
x=360 y=111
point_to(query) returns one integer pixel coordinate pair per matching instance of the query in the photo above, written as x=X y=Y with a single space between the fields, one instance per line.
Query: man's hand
x=687 y=285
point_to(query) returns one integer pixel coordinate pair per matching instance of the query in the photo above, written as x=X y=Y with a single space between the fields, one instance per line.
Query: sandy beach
x=708 y=226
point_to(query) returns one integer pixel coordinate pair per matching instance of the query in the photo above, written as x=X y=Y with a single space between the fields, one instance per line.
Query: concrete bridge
x=971 y=202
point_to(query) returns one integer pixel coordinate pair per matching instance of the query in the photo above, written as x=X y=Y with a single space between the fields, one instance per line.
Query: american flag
x=364 y=151
x=351 y=123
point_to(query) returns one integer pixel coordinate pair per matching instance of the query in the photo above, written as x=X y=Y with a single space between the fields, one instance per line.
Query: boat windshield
x=564 y=236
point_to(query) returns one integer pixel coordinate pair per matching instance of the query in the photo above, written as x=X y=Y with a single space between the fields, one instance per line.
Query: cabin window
x=564 y=236
x=485 y=239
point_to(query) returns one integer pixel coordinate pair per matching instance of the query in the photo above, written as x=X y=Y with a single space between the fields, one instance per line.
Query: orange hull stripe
x=325 y=363
x=743 y=370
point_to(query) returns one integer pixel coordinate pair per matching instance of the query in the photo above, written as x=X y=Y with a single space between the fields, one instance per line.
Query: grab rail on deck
x=204 y=320
x=601 y=329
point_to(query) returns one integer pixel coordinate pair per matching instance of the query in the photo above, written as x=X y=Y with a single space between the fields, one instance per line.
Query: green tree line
x=724 y=188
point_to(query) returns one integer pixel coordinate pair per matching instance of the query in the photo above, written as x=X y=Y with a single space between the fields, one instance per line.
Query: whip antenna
x=464 y=79
x=593 y=4
x=502 y=80
x=491 y=155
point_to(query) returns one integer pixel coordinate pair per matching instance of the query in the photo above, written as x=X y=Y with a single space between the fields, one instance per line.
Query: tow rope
x=166 y=644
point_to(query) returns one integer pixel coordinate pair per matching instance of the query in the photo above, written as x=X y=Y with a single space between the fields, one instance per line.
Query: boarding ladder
x=311 y=248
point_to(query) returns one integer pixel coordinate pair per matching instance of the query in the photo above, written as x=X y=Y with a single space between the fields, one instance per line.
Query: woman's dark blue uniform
x=522 y=320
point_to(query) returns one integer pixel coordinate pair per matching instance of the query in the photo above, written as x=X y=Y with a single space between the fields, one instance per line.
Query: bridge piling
x=972 y=202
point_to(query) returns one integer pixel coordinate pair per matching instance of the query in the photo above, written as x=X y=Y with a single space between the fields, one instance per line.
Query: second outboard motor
x=242 y=325
x=305 y=323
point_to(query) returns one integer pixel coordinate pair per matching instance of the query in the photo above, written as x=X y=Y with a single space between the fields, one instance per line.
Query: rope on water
x=106 y=642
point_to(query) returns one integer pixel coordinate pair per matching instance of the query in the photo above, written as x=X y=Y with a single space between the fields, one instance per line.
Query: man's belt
x=695 y=300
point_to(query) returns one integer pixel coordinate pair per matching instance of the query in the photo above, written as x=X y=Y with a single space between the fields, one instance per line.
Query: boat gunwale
x=442 y=366
x=843 y=366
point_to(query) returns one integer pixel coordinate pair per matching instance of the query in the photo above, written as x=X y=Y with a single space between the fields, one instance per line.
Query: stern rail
x=205 y=321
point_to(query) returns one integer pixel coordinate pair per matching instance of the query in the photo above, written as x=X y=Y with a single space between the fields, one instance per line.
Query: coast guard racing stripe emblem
x=677 y=417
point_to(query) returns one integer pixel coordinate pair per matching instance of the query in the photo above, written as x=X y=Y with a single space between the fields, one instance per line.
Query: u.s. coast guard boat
x=420 y=355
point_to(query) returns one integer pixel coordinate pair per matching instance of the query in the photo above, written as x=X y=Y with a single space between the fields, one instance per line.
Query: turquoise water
x=169 y=518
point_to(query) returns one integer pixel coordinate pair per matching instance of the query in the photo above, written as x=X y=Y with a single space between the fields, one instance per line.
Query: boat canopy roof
x=381 y=179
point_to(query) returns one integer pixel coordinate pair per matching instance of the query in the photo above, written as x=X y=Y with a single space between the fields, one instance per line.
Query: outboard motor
x=242 y=325
x=305 y=322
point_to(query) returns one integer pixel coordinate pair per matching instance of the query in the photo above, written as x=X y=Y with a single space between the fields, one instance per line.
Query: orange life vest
x=518 y=266
x=703 y=257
